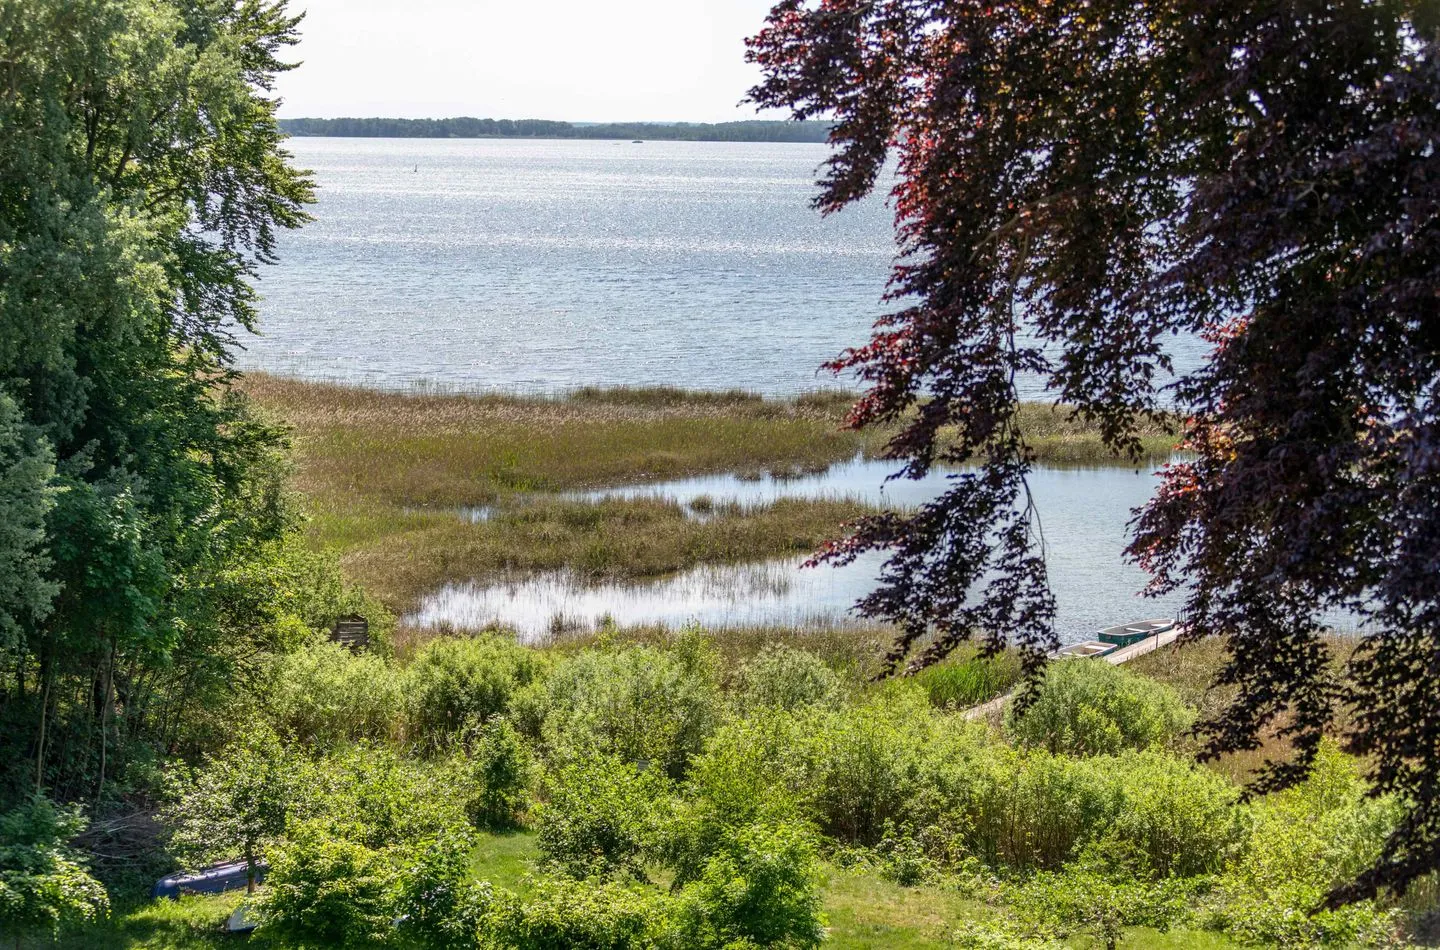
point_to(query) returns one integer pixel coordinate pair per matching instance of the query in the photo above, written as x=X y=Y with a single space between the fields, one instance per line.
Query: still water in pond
x=1083 y=514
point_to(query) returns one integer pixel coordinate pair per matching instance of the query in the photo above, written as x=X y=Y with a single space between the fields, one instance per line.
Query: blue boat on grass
x=215 y=879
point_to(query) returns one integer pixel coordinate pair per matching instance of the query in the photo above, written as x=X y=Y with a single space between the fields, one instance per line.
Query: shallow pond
x=1083 y=512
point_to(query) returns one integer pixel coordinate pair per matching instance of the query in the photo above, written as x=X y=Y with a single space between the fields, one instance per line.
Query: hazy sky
x=585 y=60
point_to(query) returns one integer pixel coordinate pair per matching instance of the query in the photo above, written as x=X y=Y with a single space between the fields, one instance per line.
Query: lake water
x=1083 y=512
x=538 y=266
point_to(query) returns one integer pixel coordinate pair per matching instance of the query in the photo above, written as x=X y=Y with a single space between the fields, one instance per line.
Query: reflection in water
x=1083 y=514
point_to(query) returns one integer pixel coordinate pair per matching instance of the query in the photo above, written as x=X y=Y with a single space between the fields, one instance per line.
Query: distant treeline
x=468 y=128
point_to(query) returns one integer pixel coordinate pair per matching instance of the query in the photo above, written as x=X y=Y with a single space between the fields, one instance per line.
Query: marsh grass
x=387 y=474
x=1191 y=668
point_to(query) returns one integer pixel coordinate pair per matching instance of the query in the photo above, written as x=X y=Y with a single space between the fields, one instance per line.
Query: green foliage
x=863 y=764
x=647 y=706
x=1176 y=818
x=238 y=802
x=500 y=769
x=327 y=891
x=27 y=465
x=438 y=904
x=1303 y=841
x=454 y=682
x=44 y=885
x=1088 y=708
x=378 y=797
x=759 y=889
x=142 y=184
x=323 y=694
x=782 y=677
x=1087 y=900
x=575 y=915
x=964 y=681
x=600 y=816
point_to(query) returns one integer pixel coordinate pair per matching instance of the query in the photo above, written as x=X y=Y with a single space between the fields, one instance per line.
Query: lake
x=538 y=266
x=1084 y=512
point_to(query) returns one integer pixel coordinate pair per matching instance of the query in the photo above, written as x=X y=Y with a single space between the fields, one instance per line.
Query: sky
x=578 y=60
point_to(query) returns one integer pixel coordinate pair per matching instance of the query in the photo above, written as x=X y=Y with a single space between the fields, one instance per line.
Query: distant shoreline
x=465 y=127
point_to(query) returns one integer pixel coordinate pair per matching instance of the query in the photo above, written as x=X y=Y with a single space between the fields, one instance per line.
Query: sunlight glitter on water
x=1083 y=514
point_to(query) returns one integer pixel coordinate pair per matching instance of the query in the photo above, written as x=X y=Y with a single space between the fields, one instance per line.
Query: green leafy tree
x=27 y=467
x=44 y=885
x=142 y=186
x=238 y=803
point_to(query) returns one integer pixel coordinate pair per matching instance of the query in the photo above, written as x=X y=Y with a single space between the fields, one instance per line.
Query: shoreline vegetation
x=467 y=127
x=386 y=476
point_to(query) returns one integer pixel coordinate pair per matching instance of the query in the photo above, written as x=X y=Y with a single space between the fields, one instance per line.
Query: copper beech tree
x=1076 y=182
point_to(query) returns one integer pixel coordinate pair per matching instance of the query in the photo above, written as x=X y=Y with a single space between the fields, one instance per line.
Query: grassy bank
x=384 y=473
x=864 y=910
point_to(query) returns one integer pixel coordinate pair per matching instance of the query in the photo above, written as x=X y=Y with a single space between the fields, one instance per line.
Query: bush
x=1303 y=841
x=1087 y=900
x=761 y=889
x=499 y=771
x=439 y=906
x=382 y=799
x=782 y=677
x=647 y=706
x=600 y=816
x=44 y=884
x=326 y=891
x=1179 y=819
x=324 y=695
x=864 y=764
x=454 y=682
x=1086 y=708
x=574 y=915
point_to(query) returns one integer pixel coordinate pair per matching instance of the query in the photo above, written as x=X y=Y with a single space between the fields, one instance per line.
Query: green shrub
x=439 y=905
x=453 y=682
x=1179 y=819
x=1302 y=842
x=968 y=680
x=323 y=695
x=324 y=890
x=863 y=764
x=761 y=889
x=644 y=705
x=1084 y=900
x=499 y=770
x=576 y=915
x=1094 y=708
x=1028 y=809
x=375 y=796
x=782 y=677
x=748 y=773
x=600 y=815
x=44 y=884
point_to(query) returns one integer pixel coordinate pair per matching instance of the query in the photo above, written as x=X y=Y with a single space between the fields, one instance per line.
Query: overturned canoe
x=212 y=880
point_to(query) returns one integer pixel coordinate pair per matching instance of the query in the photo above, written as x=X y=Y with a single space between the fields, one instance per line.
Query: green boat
x=1126 y=634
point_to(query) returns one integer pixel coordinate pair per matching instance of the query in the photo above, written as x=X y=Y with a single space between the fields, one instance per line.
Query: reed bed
x=400 y=555
x=386 y=474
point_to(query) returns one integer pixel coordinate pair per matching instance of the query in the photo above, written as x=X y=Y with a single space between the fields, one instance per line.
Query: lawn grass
x=385 y=473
